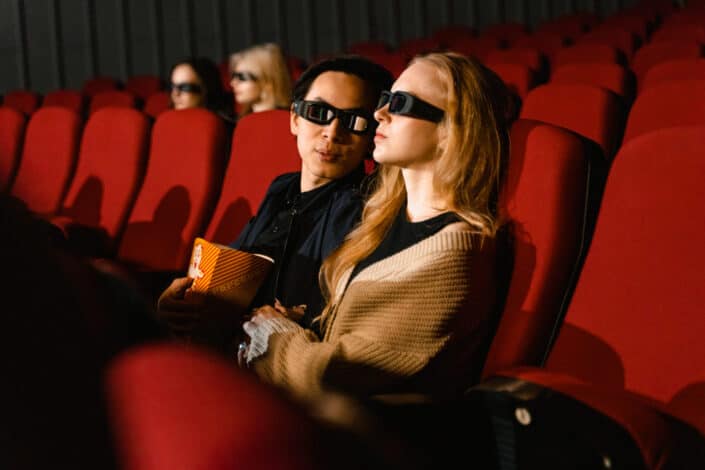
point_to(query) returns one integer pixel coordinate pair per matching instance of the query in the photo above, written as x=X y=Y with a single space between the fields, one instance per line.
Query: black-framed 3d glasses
x=322 y=113
x=244 y=76
x=406 y=104
x=186 y=87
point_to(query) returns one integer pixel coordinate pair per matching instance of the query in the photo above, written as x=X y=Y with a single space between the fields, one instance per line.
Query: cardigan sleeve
x=397 y=328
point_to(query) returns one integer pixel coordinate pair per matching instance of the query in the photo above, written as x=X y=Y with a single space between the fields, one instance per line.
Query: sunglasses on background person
x=243 y=76
x=319 y=112
x=406 y=104
x=186 y=87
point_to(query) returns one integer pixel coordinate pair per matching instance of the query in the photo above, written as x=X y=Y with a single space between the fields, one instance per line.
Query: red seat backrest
x=177 y=407
x=478 y=47
x=570 y=26
x=183 y=178
x=588 y=53
x=143 y=86
x=112 y=98
x=624 y=40
x=111 y=166
x=674 y=70
x=518 y=78
x=655 y=53
x=546 y=202
x=635 y=321
x=612 y=77
x=680 y=32
x=157 y=104
x=72 y=99
x=668 y=104
x=527 y=56
x=369 y=47
x=12 y=127
x=506 y=33
x=412 y=47
x=24 y=101
x=48 y=159
x=546 y=42
x=262 y=149
x=99 y=84
x=588 y=110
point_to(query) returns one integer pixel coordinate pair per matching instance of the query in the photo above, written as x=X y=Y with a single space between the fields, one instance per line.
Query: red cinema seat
x=506 y=33
x=623 y=382
x=369 y=47
x=143 y=86
x=588 y=110
x=71 y=99
x=612 y=77
x=655 y=53
x=447 y=34
x=413 y=47
x=157 y=104
x=518 y=78
x=181 y=185
x=527 y=56
x=24 y=101
x=12 y=127
x=589 y=53
x=669 y=104
x=113 y=99
x=680 y=32
x=262 y=149
x=570 y=26
x=626 y=42
x=178 y=407
x=478 y=47
x=111 y=166
x=674 y=70
x=393 y=61
x=48 y=159
x=547 y=200
x=547 y=43
x=96 y=85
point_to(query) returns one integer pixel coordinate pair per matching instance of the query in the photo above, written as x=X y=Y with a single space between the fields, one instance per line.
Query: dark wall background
x=50 y=44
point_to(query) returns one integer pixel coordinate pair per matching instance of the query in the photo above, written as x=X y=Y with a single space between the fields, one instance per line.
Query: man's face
x=331 y=151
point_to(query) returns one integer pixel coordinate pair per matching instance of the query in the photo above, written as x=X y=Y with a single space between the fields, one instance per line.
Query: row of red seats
x=138 y=193
x=28 y=102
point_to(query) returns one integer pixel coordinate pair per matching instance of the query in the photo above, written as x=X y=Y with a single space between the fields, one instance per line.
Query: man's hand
x=179 y=307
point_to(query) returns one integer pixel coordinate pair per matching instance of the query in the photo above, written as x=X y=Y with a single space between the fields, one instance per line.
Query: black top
x=298 y=230
x=402 y=234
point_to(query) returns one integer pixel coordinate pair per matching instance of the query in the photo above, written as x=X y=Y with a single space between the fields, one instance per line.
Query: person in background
x=412 y=290
x=304 y=215
x=195 y=83
x=260 y=79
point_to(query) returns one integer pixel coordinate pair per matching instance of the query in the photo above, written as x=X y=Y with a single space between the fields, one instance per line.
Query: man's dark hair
x=376 y=77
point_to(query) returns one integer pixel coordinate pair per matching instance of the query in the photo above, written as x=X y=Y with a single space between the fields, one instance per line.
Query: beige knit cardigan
x=414 y=322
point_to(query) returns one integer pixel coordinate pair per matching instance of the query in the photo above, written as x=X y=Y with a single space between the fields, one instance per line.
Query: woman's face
x=186 y=88
x=405 y=141
x=246 y=83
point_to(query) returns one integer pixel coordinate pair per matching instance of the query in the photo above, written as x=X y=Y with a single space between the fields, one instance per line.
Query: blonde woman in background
x=260 y=79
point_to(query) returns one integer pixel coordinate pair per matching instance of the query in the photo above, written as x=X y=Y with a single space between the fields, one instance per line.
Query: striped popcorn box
x=229 y=274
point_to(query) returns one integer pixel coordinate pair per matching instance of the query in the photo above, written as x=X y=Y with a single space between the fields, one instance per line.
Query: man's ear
x=293 y=121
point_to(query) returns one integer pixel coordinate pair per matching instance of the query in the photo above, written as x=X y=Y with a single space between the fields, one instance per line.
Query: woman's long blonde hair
x=271 y=70
x=469 y=168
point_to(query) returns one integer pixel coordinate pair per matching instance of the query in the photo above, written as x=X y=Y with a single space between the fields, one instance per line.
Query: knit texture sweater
x=414 y=322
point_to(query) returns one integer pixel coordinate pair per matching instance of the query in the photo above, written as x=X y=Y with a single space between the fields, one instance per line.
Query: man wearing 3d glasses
x=305 y=215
